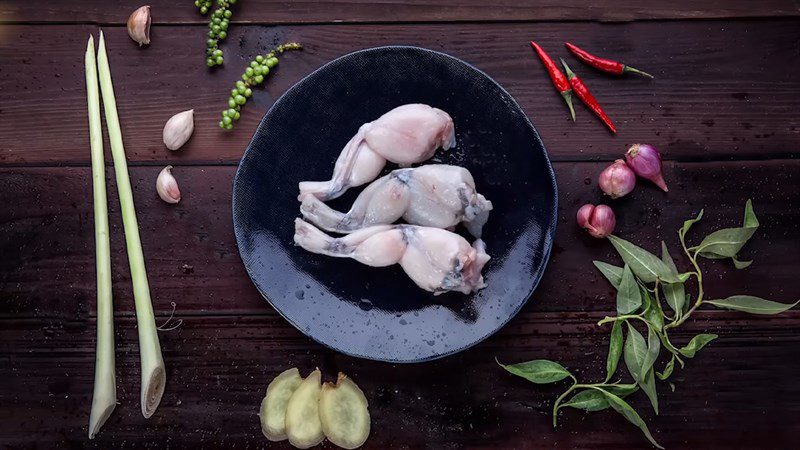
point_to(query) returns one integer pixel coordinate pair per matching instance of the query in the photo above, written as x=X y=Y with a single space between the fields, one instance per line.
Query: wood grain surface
x=192 y=259
x=723 y=110
x=330 y=11
x=731 y=95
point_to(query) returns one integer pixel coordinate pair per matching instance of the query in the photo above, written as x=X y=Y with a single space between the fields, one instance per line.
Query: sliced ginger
x=303 y=427
x=344 y=414
x=273 y=407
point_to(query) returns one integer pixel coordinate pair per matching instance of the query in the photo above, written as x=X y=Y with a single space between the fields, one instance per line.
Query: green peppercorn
x=259 y=59
x=226 y=120
x=221 y=125
x=223 y=34
x=210 y=62
x=245 y=77
x=224 y=25
x=249 y=71
x=241 y=89
x=248 y=92
x=272 y=62
x=240 y=100
x=220 y=60
x=231 y=103
x=259 y=79
x=203 y=10
x=228 y=14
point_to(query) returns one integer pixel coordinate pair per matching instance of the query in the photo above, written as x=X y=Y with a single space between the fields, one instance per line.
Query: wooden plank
x=328 y=11
x=736 y=393
x=730 y=95
x=47 y=242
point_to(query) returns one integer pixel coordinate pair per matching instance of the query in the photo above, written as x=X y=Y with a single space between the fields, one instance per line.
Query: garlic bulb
x=167 y=186
x=139 y=25
x=179 y=129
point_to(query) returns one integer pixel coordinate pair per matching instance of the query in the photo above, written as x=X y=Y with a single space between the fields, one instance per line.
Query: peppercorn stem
x=104 y=396
x=561 y=397
x=153 y=373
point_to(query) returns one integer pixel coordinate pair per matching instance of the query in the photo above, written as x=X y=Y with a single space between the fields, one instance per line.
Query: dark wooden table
x=723 y=108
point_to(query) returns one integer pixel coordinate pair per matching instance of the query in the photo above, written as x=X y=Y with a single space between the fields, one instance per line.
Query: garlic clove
x=139 y=25
x=167 y=186
x=179 y=129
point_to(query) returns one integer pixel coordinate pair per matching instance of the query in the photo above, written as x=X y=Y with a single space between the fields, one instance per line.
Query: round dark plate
x=379 y=313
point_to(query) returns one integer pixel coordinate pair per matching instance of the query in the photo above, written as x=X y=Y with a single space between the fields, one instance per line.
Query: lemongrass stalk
x=104 y=398
x=153 y=374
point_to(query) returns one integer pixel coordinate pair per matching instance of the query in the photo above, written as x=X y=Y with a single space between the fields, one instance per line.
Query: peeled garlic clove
x=139 y=25
x=179 y=129
x=167 y=186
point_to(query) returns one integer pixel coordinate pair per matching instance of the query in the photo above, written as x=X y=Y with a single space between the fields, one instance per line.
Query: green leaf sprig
x=641 y=284
x=253 y=76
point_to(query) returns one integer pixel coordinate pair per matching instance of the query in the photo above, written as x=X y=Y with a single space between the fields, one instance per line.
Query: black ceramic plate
x=378 y=313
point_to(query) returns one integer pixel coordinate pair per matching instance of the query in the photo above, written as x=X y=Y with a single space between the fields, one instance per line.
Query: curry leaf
x=648 y=385
x=752 y=305
x=612 y=273
x=629 y=299
x=644 y=264
x=634 y=353
x=539 y=371
x=674 y=293
x=622 y=407
x=667 y=370
x=614 y=349
x=594 y=400
x=696 y=344
x=688 y=224
x=741 y=264
x=653 y=314
x=653 y=348
x=726 y=243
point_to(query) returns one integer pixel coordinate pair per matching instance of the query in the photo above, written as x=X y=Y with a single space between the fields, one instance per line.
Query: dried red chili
x=606 y=65
x=559 y=80
x=583 y=93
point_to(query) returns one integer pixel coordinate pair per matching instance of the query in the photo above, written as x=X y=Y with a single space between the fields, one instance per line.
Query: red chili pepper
x=559 y=80
x=606 y=65
x=583 y=93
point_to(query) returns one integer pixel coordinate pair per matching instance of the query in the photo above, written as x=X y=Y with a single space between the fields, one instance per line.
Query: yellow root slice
x=303 y=427
x=273 y=407
x=344 y=414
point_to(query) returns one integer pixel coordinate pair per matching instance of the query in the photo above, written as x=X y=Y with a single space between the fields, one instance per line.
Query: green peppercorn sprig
x=203 y=5
x=253 y=76
x=218 y=31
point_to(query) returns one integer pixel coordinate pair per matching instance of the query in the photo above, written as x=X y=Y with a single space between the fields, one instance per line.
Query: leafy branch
x=641 y=284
